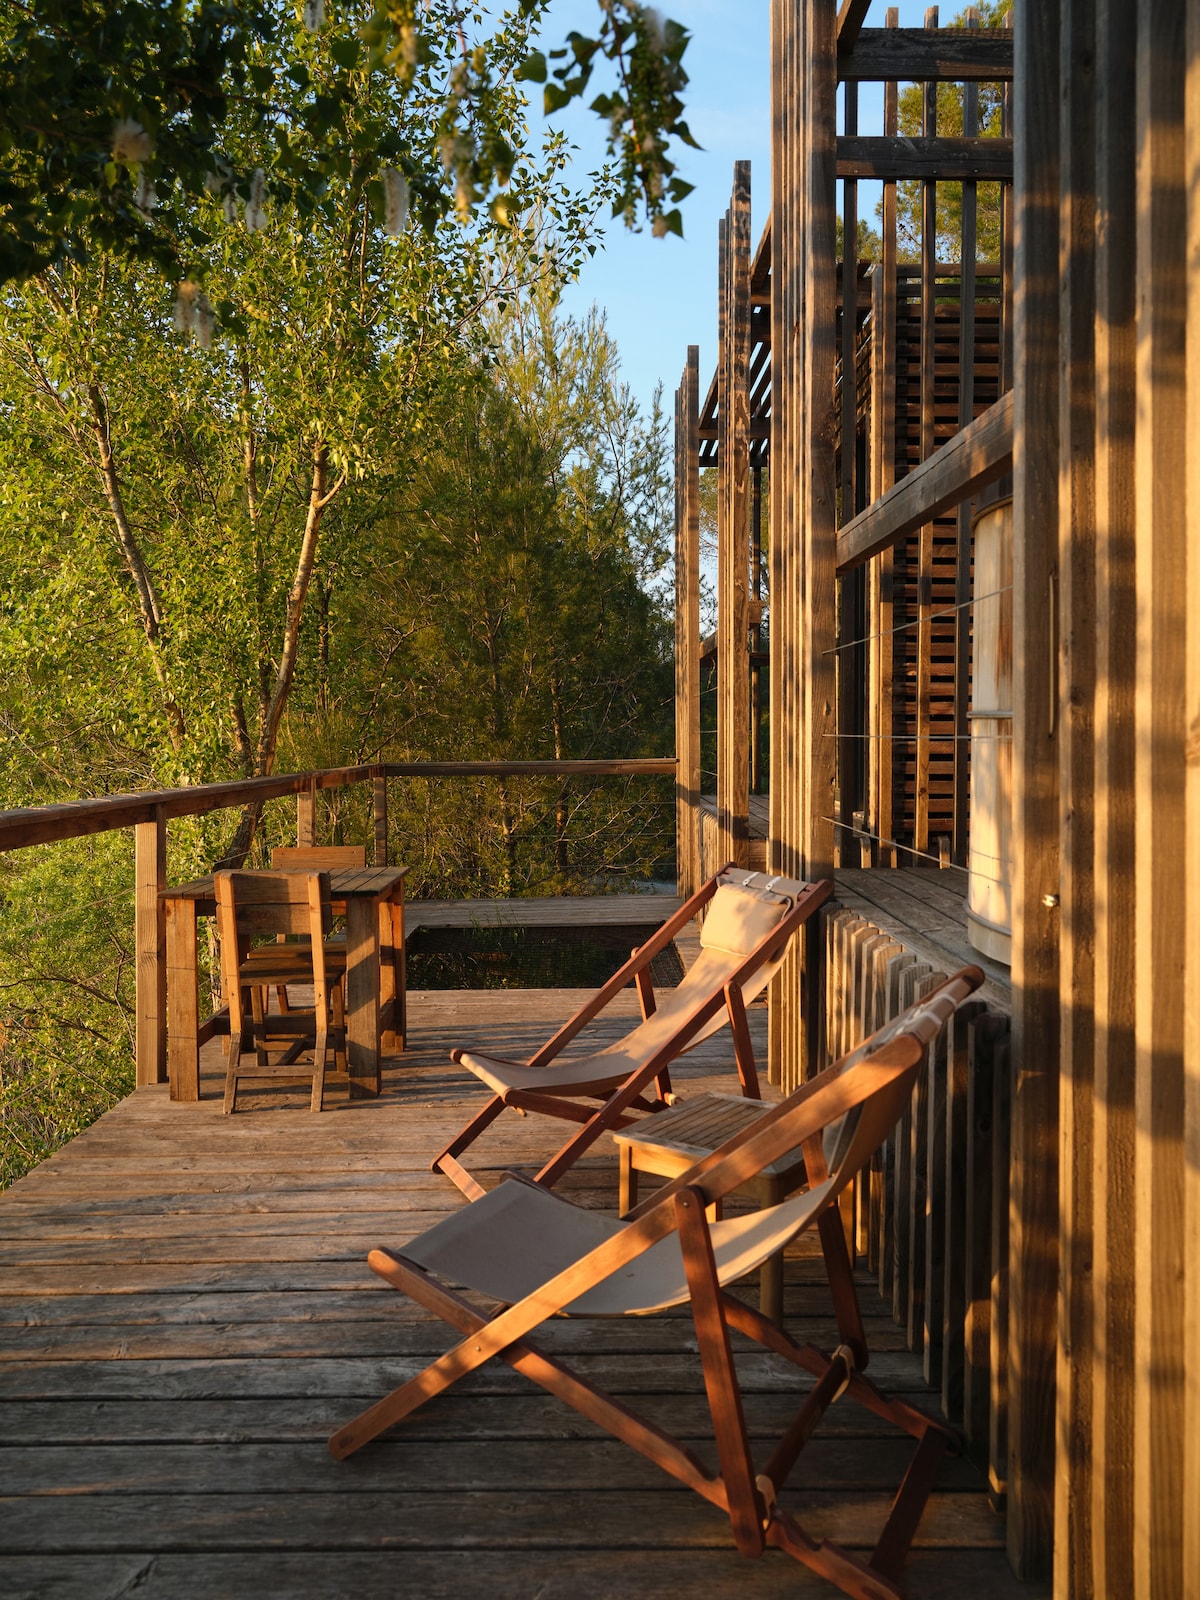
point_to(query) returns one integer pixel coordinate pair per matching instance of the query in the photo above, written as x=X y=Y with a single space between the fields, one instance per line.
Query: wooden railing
x=149 y=812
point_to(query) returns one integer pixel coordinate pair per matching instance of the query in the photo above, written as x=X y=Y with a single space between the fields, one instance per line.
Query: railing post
x=306 y=808
x=150 y=940
x=379 y=803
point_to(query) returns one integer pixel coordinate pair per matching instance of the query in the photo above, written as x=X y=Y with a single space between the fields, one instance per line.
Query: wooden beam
x=942 y=159
x=851 y=16
x=977 y=455
x=928 y=55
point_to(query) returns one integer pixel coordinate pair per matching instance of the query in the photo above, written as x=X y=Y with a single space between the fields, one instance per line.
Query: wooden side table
x=670 y=1142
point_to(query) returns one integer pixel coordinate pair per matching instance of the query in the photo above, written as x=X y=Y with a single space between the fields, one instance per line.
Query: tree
x=116 y=118
x=176 y=494
x=504 y=608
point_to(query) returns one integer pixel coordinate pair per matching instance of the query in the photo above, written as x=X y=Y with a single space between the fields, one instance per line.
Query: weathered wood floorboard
x=185 y=1315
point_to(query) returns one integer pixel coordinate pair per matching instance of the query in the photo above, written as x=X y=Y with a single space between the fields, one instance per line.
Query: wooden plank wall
x=1105 y=1265
x=924 y=1215
x=687 y=624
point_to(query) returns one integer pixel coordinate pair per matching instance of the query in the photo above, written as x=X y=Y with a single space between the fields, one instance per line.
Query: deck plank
x=185 y=1314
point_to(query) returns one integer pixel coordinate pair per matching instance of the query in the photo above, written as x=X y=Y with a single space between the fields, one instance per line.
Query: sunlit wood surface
x=187 y=1314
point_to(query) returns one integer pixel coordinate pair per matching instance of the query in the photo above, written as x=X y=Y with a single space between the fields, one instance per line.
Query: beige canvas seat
x=750 y=919
x=262 y=1044
x=540 y=1256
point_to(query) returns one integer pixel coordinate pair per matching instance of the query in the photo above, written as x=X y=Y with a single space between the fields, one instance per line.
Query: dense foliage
x=117 y=118
x=352 y=491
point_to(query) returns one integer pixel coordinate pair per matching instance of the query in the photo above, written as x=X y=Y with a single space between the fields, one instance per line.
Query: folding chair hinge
x=769 y=1493
x=847 y=1358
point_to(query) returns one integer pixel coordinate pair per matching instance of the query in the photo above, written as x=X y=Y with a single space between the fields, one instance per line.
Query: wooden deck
x=187 y=1314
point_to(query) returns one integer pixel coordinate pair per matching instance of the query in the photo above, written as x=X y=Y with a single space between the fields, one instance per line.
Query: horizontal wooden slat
x=942 y=159
x=928 y=55
x=977 y=455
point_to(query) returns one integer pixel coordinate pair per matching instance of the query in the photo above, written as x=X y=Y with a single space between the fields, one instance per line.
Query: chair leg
x=258 y=1011
x=237 y=1043
x=446 y=1161
x=320 y=1051
x=746 y=1511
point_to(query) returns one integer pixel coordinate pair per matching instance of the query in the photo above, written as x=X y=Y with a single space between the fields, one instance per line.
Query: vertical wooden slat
x=934 y=1218
x=1160 y=453
x=1032 y=1320
x=998 y=1448
x=956 y=1207
x=851 y=750
x=687 y=625
x=1077 y=670
x=150 y=943
x=981 y=1155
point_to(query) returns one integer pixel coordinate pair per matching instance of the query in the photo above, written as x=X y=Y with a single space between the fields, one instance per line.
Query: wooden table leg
x=362 y=996
x=627 y=1181
x=183 y=1009
x=391 y=974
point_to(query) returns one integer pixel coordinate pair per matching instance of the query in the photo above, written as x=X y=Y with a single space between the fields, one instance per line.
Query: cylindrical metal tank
x=989 y=889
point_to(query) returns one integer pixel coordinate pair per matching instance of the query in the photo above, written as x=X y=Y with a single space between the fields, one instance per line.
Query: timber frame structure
x=886 y=403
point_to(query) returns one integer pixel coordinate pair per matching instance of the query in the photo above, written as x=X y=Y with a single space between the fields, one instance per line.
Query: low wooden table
x=372 y=901
x=670 y=1142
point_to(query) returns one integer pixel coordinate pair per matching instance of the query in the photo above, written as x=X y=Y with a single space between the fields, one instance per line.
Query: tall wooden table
x=372 y=901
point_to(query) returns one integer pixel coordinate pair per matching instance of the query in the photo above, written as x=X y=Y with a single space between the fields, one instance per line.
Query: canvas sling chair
x=540 y=1256
x=750 y=918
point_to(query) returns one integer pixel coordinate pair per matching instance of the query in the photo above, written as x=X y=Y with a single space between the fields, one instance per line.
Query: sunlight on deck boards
x=185 y=1314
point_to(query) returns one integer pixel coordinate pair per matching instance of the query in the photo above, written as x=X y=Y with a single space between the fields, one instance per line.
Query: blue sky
x=660 y=295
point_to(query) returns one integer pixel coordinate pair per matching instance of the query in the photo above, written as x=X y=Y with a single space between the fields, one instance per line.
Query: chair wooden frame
x=870 y=1086
x=279 y=903
x=626 y=1094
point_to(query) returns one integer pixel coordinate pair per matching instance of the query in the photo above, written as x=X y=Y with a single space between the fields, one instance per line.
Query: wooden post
x=816 y=487
x=1074 y=691
x=306 y=809
x=1160 y=454
x=1114 y=1148
x=687 y=625
x=928 y=442
x=733 y=526
x=883 y=475
x=379 y=811
x=966 y=413
x=1191 y=834
x=150 y=941
x=1033 y=1242
x=789 y=23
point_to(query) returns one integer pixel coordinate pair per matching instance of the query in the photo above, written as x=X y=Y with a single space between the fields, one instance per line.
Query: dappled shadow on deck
x=186 y=1314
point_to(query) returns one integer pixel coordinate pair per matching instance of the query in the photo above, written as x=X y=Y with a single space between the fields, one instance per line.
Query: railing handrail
x=30 y=825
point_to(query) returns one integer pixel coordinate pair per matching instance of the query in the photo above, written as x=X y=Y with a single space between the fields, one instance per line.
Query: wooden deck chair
x=750 y=918
x=540 y=1256
x=254 y=904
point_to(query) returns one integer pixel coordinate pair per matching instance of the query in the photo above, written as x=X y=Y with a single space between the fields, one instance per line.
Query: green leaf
x=532 y=69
